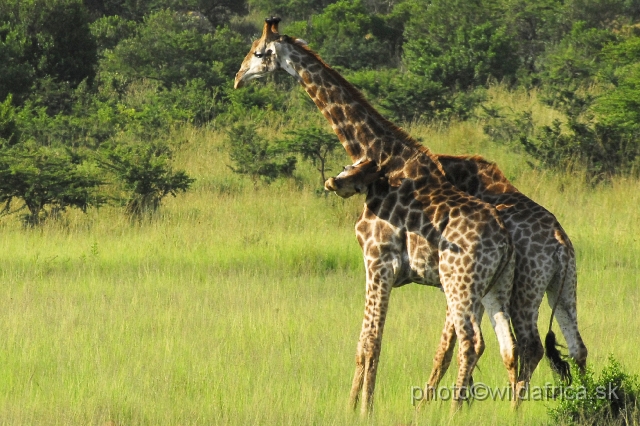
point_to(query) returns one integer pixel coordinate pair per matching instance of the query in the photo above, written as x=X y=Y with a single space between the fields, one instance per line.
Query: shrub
x=252 y=155
x=612 y=398
x=173 y=48
x=47 y=181
x=9 y=132
x=408 y=96
x=604 y=150
x=314 y=144
x=145 y=174
x=459 y=44
x=44 y=40
x=346 y=35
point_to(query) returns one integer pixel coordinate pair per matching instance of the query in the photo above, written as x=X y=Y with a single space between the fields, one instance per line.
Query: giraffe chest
x=409 y=257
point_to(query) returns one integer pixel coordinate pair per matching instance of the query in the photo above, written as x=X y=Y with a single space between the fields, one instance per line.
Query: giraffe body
x=415 y=227
x=545 y=260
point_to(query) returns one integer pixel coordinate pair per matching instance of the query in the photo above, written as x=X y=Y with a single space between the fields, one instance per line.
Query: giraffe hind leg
x=496 y=302
x=470 y=348
x=563 y=297
x=528 y=292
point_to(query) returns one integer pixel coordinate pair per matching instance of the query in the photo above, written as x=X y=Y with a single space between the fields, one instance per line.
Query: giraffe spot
x=338 y=114
x=312 y=90
x=322 y=96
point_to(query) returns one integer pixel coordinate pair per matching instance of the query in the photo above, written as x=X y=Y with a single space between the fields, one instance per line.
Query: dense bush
x=346 y=35
x=44 y=44
x=46 y=181
x=612 y=398
x=314 y=144
x=143 y=174
x=254 y=156
x=173 y=48
x=460 y=44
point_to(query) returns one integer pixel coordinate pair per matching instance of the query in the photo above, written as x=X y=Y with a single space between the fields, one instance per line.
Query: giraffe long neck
x=361 y=129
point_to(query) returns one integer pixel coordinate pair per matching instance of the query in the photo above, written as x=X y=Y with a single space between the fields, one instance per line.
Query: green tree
x=291 y=10
x=44 y=41
x=174 y=48
x=314 y=144
x=346 y=35
x=252 y=155
x=9 y=131
x=460 y=44
x=218 y=12
x=145 y=174
x=534 y=25
x=47 y=181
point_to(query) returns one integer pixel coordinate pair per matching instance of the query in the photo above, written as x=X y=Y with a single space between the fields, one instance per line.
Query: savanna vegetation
x=168 y=254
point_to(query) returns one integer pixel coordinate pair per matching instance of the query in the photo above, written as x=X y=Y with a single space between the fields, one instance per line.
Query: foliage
x=346 y=35
x=619 y=107
x=611 y=398
x=47 y=181
x=145 y=173
x=459 y=44
x=508 y=129
x=571 y=67
x=9 y=132
x=290 y=9
x=48 y=40
x=174 y=47
x=314 y=144
x=217 y=12
x=252 y=155
x=534 y=26
x=582 y=141
x=408 y=97
x=108 y=31
x=254 y=99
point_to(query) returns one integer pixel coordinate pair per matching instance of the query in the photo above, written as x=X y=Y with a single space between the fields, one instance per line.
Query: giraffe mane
x=402 y=135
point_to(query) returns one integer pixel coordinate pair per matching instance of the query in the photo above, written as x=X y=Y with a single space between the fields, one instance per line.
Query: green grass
x=243 y=306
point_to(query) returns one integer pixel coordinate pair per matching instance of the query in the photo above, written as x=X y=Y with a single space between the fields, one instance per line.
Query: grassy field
x=243 y=306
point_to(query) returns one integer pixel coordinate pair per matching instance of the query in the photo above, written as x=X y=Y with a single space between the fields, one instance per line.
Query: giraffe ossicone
x=416 y=226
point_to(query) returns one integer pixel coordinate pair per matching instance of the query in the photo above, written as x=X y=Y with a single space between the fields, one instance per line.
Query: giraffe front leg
x=358 y=377
x=368 y=352
x=444 y=354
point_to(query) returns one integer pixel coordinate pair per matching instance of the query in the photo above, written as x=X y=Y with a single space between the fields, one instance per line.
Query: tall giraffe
x=545 y=262
x=415 y=227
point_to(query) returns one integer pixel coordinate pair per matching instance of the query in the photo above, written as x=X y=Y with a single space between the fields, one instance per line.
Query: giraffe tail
x=556 y=360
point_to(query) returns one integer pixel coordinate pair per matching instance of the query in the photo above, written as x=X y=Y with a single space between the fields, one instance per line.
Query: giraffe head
x=266 y=54
x=354 y=179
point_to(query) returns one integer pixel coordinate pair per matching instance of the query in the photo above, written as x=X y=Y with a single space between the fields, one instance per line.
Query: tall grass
x=237 y=305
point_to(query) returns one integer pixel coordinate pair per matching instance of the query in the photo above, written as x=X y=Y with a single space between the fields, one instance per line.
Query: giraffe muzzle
x=330 y=185
x=238 y=83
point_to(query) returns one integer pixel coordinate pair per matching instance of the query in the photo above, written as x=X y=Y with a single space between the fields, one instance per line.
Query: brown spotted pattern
x=545 y=260
x=415 y=227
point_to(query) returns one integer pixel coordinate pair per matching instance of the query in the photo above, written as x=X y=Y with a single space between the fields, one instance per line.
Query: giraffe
x=415 y=227
x=545 y=262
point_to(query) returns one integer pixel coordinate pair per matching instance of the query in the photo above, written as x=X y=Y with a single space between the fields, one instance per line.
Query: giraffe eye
x=258 y=55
